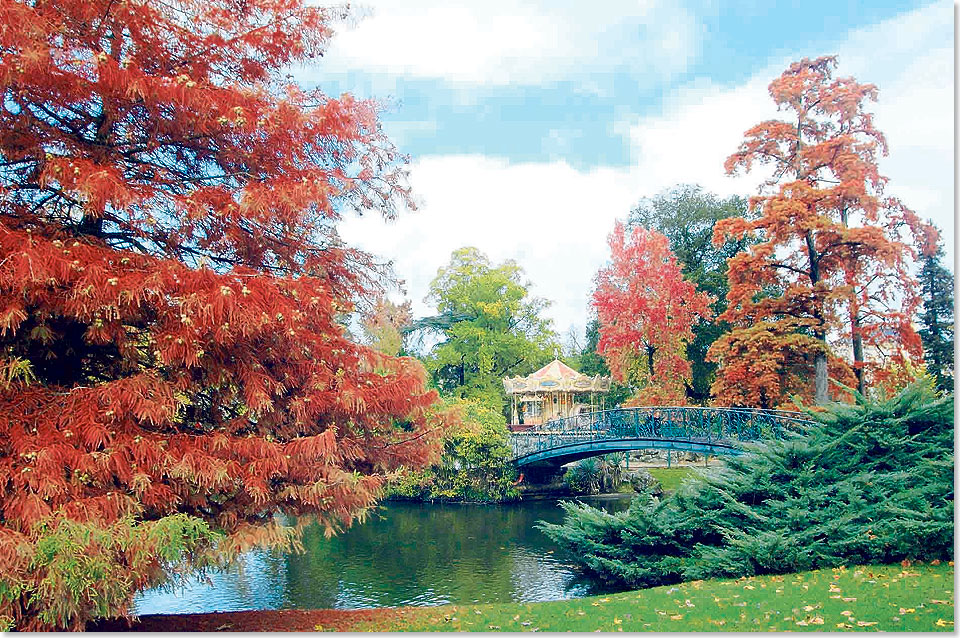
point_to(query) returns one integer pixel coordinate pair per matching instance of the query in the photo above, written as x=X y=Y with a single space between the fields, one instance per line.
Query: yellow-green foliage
x=76 y=571
x=475 y=463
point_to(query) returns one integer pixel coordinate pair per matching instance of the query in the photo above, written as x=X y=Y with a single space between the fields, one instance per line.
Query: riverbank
x=913 y=598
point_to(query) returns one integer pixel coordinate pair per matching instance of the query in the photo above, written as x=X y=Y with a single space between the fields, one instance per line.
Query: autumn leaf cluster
x=646 y=311
x=172 y=288
x=830 y=269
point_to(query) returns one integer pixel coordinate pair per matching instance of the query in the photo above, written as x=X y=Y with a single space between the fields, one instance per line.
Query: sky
x=533 y=126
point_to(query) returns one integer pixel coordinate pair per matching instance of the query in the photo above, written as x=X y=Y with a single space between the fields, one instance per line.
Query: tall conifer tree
x=936 y=319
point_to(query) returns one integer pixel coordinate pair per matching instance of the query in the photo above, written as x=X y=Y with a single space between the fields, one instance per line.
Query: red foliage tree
x=834 y=250
x=172 y=369
x=646 y=311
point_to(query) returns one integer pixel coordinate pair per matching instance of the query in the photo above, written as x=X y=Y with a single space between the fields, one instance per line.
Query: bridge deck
x=705 y=430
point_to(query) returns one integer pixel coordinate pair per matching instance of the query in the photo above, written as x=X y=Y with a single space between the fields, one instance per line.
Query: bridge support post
x=668 y=458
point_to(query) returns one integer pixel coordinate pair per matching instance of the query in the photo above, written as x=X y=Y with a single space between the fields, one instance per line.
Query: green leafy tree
x=870 y=483
x=475 y=465
x=491 y=327
x=686 y=215
x=936 y=319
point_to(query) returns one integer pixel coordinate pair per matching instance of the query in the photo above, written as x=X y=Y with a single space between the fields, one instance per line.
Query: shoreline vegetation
x=914 y=597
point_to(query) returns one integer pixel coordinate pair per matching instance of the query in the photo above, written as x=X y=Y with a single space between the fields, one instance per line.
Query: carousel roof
x=556 y=376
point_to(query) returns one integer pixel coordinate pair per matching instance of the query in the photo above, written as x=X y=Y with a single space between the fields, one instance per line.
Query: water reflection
x=408 y=554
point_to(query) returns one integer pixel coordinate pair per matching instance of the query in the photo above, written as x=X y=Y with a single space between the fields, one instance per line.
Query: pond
x=405 y=554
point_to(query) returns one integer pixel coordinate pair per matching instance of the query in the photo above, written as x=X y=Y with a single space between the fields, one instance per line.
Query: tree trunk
x=858 y=356
x=820 y=382
x=820 y=359
x=855 y=335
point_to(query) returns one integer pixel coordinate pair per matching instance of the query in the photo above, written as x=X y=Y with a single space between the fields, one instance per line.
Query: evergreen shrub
x=871 y=482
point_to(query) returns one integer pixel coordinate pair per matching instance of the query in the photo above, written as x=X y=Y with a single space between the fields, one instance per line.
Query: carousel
x=555 y=391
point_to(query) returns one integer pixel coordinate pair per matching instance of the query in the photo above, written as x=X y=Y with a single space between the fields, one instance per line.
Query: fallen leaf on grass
x=939 y=602
x=843 y=625
x=943 y=623
x=816 y=620
x=849 y=600
x=677 y=617
x=866 y=623
x=617 y=621
x=493 y=626
x=580 y=612
x=846 y=613
x=903 y=610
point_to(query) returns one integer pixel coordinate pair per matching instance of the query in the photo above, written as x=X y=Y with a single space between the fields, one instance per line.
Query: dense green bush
x=870 y=483
x=475 y=465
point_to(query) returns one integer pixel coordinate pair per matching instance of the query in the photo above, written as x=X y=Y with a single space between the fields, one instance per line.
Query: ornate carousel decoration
x=555 y=391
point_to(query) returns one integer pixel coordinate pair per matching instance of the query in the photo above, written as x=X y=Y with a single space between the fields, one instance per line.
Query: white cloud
x=554 y=219
x=500 y=42
x=550 y=217
x=701 y=126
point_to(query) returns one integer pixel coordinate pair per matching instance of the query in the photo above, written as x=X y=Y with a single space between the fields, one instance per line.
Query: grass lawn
x=877 y=598
x=670 y=478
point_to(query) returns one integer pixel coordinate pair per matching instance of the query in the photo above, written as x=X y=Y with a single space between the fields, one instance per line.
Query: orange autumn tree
x=833 y=258
x=646 y=311
x=173 y=370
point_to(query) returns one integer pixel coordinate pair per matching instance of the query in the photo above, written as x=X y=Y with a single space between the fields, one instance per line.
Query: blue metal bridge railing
x=704 y=428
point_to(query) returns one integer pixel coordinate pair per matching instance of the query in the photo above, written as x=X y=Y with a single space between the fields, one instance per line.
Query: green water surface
x=405 y=554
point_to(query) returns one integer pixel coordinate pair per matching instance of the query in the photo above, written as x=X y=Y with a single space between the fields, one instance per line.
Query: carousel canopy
x=556 y=376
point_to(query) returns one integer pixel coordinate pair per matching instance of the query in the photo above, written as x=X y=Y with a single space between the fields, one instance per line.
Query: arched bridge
x=689 y=429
